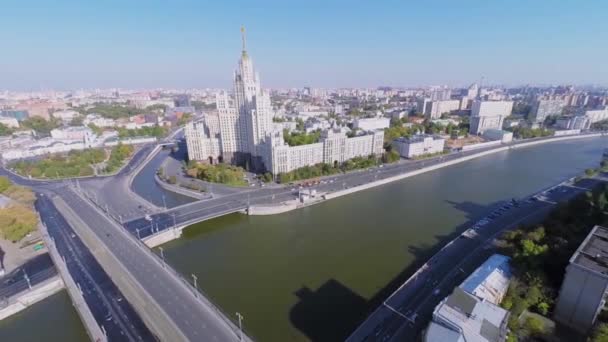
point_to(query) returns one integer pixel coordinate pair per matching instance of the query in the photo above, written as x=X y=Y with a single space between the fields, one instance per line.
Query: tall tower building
x=252 y=106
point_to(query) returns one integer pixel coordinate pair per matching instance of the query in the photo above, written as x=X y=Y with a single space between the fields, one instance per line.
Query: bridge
x=171 y=307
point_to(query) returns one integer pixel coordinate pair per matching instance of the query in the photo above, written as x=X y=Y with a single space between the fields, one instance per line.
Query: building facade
x=583 y=292
x=489 y=115
x=435 y=108
x=545 y=108
x=418 y=145
x=334 y=148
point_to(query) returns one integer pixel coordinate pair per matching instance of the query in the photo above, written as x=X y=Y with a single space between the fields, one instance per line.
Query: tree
x=5 y=130
x=534 y=326
x=5 y=183
x=600 y=333
x=76 y=121
x=40 y=125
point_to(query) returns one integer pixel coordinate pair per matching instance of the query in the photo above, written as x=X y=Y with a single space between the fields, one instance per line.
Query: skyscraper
x=252 y=106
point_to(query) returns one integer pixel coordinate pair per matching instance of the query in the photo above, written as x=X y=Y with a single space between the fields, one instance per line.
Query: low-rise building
x=464 y=317
x=490 y=281
x=583 y=292
x=418 y=145
x=498 y=134
x=371 y=124
x=65 y=115
x=9 y=122
x=79 y=133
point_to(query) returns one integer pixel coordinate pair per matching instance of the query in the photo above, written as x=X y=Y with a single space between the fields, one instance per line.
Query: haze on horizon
x=70 y=44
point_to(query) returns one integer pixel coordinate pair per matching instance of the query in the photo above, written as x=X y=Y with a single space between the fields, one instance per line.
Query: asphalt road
x=38 y=270
x=195 y=319
x=405 y=314
x=110 y=309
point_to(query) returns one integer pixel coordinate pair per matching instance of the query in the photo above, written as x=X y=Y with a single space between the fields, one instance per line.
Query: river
x=314 y=273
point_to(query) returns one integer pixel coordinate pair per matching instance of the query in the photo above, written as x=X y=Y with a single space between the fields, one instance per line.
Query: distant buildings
x=371 y=124
x=65 y=115
x=545 y=108
x=489 y=115
x=577 y=122
x=246 y=135
x=471 y=313
x=583 y=292
x=418 y=145
x=434 y=109
x=9 y=122
x=597 y=115
x=20 y=115
x=498 y=134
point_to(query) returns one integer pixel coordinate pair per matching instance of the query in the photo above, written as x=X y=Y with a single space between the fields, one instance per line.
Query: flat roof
x=593 y=252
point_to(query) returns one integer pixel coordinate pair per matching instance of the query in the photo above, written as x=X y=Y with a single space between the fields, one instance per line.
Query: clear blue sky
x=68 y=44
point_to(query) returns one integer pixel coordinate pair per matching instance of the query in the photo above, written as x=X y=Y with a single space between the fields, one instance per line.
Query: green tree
x=5 y=183
x=40 y=125
x=534 y=326
x=600 y=333
x=5 y=130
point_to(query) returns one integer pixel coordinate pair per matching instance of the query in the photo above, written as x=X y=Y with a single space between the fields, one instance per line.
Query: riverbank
x=286 y=207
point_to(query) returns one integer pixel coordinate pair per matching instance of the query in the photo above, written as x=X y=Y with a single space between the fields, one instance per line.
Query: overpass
x=171 y=307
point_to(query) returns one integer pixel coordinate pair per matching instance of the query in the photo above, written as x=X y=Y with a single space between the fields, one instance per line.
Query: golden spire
x=243 y=37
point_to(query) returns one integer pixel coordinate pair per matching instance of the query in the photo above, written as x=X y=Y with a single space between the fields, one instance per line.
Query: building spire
x=243 y=38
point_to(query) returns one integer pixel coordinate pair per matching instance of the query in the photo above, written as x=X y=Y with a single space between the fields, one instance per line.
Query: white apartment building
x=597 y=115
x=98 y=120
x=544 y=108
x=418 y=145
x=79 y=133
x=371 y=124
x=434 y=109
x=489 y=115
x=65 y=115
x=335 y=148
x=201 y=144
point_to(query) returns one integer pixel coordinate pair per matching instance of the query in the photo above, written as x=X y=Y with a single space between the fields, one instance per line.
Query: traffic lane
x=195 y=321
x=110 y=309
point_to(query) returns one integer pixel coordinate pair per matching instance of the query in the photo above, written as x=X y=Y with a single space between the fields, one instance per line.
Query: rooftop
x=490 y=281
x=417 y=138
x=472 y=318
x=593 y=252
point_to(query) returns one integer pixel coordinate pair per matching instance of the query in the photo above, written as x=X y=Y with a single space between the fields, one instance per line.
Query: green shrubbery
x=220 y=173
x=18 y=219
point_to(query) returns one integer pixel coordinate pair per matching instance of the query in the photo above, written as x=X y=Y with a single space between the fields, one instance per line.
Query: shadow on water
x=333 y=311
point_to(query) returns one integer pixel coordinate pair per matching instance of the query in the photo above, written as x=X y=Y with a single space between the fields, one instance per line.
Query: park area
x=75 y=163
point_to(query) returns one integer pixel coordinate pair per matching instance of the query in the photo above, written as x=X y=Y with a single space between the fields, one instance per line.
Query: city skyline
x=187 y=45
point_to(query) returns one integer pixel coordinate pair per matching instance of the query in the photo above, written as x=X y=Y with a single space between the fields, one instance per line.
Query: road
x=195 y=318
x=37 y=269
x=408 y=310
x=111 y=311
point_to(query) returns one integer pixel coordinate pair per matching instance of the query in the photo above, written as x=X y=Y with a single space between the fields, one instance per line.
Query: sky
x=74 y=44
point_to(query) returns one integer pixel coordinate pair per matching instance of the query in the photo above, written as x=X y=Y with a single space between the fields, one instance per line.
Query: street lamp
x=240 y=326
x=194 y=279
x=29 y=284
x=162 y=255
